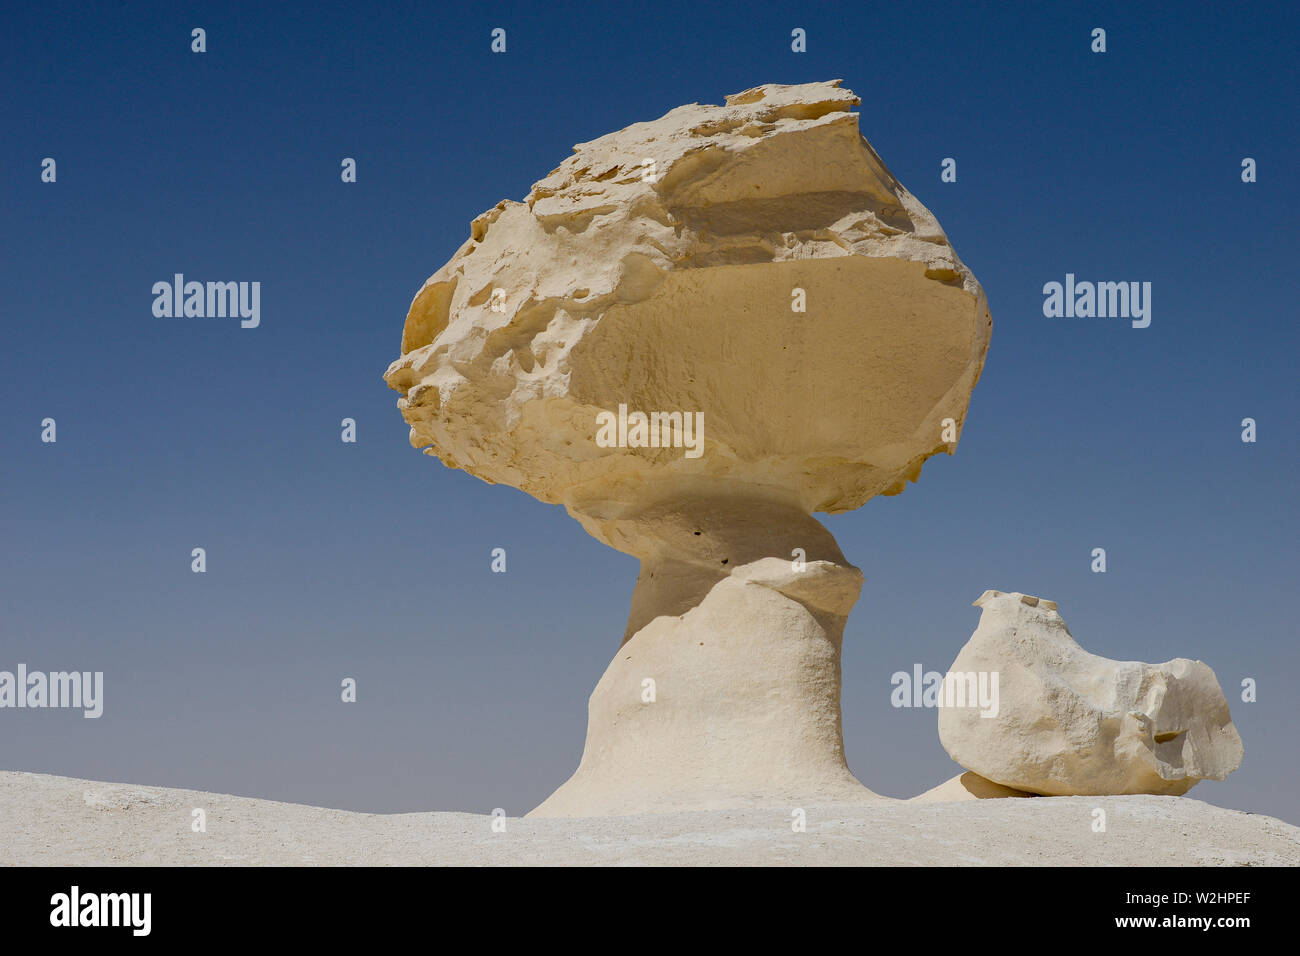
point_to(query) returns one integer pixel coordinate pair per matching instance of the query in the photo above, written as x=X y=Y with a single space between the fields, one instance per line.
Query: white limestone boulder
x=1071 y=723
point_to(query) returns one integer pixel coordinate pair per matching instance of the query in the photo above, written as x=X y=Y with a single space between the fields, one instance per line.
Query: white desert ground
x=60 y=821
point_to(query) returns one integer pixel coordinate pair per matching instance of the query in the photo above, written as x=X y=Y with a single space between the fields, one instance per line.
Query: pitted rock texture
x=657 y=268
x=1072 y=723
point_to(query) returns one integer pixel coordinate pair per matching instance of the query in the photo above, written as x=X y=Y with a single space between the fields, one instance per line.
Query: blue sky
x=369 y=560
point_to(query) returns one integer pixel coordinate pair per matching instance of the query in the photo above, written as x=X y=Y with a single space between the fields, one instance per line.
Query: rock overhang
x=655 y=269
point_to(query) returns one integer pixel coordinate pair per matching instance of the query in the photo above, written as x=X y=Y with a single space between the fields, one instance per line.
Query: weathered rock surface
x=655 y=268
x=754 y=270
x=1072 y=723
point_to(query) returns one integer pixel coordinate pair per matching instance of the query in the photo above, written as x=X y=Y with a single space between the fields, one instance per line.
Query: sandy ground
x=47 y=820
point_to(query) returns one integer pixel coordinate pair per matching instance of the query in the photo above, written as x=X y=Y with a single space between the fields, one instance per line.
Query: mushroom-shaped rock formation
x=1071 y=723
x=694 y=334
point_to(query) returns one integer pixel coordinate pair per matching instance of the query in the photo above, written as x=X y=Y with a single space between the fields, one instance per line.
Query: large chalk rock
x=1071 y=723
x=657 y=267
x=754 y=273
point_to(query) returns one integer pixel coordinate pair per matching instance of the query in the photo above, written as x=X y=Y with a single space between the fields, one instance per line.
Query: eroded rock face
x=753 y=271
x=1072 y=723
x=736 y=703
x=657 y=268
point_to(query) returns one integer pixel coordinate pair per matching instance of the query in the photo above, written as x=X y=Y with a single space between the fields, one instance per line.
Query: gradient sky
x=328 y=560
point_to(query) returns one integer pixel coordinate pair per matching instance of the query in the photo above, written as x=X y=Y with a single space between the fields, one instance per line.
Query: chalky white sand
x=47 y=820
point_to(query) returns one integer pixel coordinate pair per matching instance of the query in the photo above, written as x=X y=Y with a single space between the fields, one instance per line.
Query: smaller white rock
x=1071 y=723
